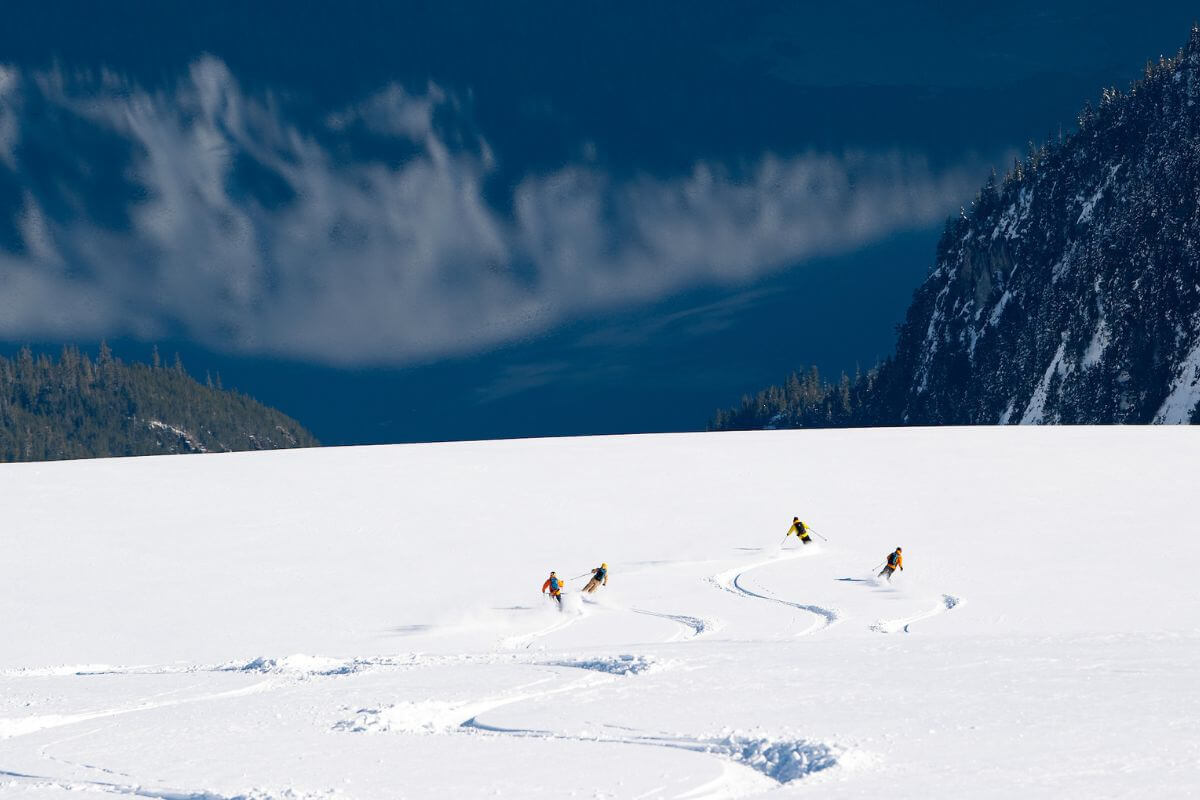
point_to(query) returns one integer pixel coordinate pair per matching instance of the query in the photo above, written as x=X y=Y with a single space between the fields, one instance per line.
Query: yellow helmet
x=604 y=566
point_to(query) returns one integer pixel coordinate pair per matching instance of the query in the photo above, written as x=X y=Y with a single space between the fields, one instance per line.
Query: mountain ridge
x=1069 y=291
x=75 y=407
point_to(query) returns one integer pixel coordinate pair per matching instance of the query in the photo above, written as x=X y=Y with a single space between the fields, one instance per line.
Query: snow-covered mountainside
x=1070 y=291
x=367 y=622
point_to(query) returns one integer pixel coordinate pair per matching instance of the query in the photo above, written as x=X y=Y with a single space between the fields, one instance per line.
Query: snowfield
x=367 y=622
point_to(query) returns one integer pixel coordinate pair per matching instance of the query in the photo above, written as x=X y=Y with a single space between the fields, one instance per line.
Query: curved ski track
x=526 y=640
x=10 y=729
x=733 y=581
x=948 y=602
x=693 y=626
x=752 y=764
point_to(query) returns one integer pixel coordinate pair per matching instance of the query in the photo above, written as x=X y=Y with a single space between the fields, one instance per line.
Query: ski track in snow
x=444 y=716
x=283 y=672
x=693 y=626
x=298 y=665
x=14 y=728
x=44 y=752
x=527 y=640
x=22 y=726
x=36 y=782
x=948 y=602
x=780 y=761
x=734 y=581
x=752 y=763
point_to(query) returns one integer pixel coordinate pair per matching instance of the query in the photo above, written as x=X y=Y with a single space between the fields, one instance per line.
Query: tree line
x=77 y=407
x=806 y=400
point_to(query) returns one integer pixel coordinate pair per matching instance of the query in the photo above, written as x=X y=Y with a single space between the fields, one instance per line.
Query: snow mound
x=614 y=665
x=253 y=794
x=780 y=760
x=297 y=665
x=420 y=716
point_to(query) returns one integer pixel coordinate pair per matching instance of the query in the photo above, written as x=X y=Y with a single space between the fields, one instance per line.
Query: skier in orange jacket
x=554 y=585
x=895 y=561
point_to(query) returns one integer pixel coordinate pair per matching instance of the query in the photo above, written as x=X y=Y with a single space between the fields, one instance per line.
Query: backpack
x=892 y=560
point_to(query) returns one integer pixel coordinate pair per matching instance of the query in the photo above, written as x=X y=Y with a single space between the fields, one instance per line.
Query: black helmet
x=898 y=550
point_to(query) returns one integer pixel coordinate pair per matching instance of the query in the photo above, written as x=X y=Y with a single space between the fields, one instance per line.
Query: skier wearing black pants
x=895 y=561
x=554 y=586
x=800 y=529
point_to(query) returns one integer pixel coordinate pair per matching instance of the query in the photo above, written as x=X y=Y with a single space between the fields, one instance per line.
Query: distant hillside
x=79 y=408
x=805 y=400
x=1069 y=292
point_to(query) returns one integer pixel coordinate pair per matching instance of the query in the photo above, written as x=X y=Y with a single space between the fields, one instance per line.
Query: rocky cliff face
x=1070 y=291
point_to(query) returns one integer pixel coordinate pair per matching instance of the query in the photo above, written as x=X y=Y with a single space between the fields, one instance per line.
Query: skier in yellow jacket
x=800 y=529
x=599 y=576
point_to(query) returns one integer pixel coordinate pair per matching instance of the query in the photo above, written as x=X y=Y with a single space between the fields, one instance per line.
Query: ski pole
x=819 y=536
x=577 y=577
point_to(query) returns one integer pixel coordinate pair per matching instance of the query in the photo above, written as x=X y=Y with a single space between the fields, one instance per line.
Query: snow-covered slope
x=366 y=622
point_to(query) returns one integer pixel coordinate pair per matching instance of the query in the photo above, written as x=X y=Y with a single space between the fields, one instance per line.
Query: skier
x=800 y=529
x=895 y=561
x=599 y=576
x=554 y=586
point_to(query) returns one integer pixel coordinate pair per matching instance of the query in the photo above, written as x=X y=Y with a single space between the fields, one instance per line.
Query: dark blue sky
x=421 y=221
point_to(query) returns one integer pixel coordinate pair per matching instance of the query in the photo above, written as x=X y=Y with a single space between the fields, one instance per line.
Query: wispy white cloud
x=392 y=112
x=374 y=262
